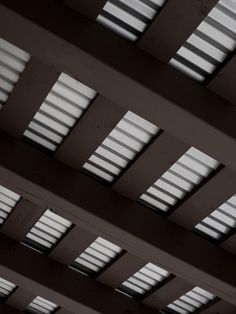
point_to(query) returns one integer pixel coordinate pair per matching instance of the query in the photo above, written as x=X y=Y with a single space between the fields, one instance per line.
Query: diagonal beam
x=20 y=299
x=99 y=209
x=27 y=96
x=22 y=218
x=167 y=294
x=206 y=199
x=121 y=270
x=90 y=8
x=94 y=126
x=223 y=83
x=124 y=74
x=155 y=160
x=72 y=245
x=172 y=27
x=59 y=284
x=220 y=307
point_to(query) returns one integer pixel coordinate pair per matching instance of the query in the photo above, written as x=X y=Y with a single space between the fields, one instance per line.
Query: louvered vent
x=219 y=222
x=97 y=256
x=40 y=305
x=12 y=63
x=144 y=280
x=63 y=106
x=8 y=201
x=129 y=18
x=121 y=146
x=210 y=44
x=47 y=231
x=6 y=288
x=180 y=179
x=190 y=301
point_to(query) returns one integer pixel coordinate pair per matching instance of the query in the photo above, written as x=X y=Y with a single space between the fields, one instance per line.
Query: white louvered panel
x=129 y=18
x=124 y=142
x=47 y=231
x=8 y=201
x=144 y=280
x=12 y=63
x=6 y=288
x=221 y=221
x=180 y=179
x=191 y=301
x=99 y=254
x=63 y=106
x=41 y=305
x=210 y=43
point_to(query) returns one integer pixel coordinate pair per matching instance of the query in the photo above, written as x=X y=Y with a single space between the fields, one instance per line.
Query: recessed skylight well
x=129 y=18
x=220 y=222
x=143 y=281
x=189 y=170
x=97 y=257
x=8 y=201
x=210 y=44
x=190 y=301
x=6 y=288
x=42 y=306
x=121 y=146
x=12 y=63
x=62 y=108
x=47 y=231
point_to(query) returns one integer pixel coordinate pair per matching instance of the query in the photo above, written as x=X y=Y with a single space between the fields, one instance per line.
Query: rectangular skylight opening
x=143 y=281
x=6 y=288
x=185 y=174
x=12 y=63
x=41 y=305
x=47 y=231
x=129 y=18
x=122 y=145
x=97 y=257
x=60 y=111
x=210 y=44
x=8 y=201
x=220 y=222
x=191 y=301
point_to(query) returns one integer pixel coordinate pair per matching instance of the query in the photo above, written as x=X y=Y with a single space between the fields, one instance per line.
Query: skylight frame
x=8 y=201
x=6 y=289
x=61 y=110
x=188 y=172
x=122 y=146
x=41 y=306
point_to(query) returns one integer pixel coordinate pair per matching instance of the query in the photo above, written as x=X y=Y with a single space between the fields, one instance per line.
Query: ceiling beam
x=6 y=309
x=167 y=294
x=65 y=287
x=124 y=74
x=206 y=199
x=157 y=158
x=220 y=307
x=90 y=8
x=20 y=299
x=21 y=220
x=172 y=27
x=100 y=210
x=93 y=127
x=27 y=96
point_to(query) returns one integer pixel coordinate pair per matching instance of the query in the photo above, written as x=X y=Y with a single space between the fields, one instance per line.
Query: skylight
x=191 y=301
x=221 y=221
x=47 y=231
x=210 y=43
x=97 y=256
x=6 y=288
x=189 y=170
x=144 y=280
x=8 y=201
x=12 y=63
x=62 y=108
x=121 y=146
x=129 y=18
x=41 y=305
